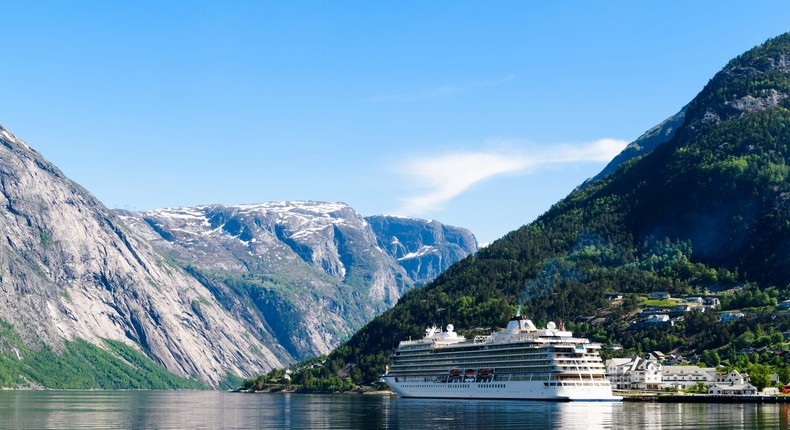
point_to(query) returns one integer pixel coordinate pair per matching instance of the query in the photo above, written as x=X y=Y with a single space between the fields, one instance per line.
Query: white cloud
x=442 y=90
x=447 y=176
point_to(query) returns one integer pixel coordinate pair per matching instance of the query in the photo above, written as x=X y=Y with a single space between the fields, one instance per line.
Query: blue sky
x=477 y=114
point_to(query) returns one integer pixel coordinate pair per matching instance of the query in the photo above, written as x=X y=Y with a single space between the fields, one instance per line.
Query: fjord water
x=217 y=410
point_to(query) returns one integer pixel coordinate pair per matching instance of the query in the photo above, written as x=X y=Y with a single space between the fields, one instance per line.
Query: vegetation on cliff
x=83 y=365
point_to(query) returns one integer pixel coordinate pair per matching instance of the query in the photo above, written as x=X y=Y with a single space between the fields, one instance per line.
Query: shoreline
x=702 y=398
x=640 y=397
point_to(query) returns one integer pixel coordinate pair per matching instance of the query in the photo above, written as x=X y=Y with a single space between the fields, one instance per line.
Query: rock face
x=70 y=269
x=425 y=248
x=645 y=143
x=307 y=274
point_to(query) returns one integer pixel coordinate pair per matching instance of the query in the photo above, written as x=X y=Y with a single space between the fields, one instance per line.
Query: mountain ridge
x=254 y=255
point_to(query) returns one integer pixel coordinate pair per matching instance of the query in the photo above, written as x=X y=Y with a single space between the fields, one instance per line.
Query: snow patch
x=424 y=250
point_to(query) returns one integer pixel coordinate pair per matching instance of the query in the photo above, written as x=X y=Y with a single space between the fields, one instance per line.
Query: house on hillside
x=658 y=319
x=657 y=356
x=680 y=310
x=710 y=302
x=650 y=310
x=660 y=295
x=652 y=320
x=730 y=316
x=783 y=305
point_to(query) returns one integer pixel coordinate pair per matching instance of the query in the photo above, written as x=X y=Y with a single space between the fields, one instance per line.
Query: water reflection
x=215 y=410
x=702 y=416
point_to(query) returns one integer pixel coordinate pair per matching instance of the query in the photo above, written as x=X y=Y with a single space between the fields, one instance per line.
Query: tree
x=759 y=375
x=711 y=358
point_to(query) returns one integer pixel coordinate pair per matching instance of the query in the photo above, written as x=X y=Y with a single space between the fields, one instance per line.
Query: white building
x=634 y=373
x=731 y=316
x=769 y=391
x=733 y=390
x=657 y=319
x=685 y=377
x=732 y=384
x=732 y=378
x=711 y=302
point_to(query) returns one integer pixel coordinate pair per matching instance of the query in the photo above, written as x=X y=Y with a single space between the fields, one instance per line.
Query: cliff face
x=305 y=275
x=425 y=248
x=70 y=270
x=646 y=143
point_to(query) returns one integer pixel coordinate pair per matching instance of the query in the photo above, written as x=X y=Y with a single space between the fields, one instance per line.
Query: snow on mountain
x=306 y=273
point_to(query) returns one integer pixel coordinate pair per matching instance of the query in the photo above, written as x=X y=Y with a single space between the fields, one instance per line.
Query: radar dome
x=551 y=325
x=450 y=327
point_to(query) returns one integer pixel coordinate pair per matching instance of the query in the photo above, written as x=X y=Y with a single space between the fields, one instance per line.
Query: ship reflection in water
x=483 y=414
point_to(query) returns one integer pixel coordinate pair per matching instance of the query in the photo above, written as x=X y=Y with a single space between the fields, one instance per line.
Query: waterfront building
x=685 y=377
x=635 y=373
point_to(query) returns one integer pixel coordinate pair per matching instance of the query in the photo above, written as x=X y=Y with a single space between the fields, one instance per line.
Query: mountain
x=424 y=248
x=94 y=298
x=645 y=143
x=304 y=275
x=707 y=211
x=83 y=297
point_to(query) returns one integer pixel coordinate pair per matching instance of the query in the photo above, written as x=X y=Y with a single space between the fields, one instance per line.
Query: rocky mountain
x=706 y=212
x=96 y=298
x=645 y=143
x=425 y=248
x=308 y=273
x=70 y=271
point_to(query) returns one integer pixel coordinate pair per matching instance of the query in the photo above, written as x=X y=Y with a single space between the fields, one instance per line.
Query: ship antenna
x=518 y=311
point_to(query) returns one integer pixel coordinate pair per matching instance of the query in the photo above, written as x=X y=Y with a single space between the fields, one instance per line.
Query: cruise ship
x=520 y=362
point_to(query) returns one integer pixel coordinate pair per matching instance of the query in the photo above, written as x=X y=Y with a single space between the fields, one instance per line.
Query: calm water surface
x=217 y=410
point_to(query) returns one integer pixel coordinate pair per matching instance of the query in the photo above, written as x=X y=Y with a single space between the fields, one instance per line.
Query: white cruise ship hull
x=519 y=362
x=512 y=390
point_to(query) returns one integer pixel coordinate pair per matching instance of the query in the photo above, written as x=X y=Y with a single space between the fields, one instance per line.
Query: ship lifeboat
x=485 y=372
x=455 y=372
x=470 y=373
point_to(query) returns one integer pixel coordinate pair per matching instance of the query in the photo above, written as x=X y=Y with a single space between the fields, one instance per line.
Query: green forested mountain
x=705 y=213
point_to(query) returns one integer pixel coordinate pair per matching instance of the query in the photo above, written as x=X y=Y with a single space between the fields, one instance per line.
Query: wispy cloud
x=442 y=90
x=444 y=177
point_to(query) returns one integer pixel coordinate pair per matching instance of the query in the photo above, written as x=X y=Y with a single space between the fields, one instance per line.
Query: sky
x=476 y=114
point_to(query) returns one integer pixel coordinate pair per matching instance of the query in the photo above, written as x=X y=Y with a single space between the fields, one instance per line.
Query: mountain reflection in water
x=216 y=410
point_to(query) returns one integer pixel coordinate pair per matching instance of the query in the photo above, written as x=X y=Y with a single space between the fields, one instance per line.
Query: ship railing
x=507 y=377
